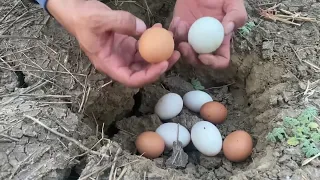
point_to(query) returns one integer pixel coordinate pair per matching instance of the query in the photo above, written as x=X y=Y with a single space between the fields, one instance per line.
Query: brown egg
x=214 y=112
x=156 y=45
x=151 y=144
x=237 y=146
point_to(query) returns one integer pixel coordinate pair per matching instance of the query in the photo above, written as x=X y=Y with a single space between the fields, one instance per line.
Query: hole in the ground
x=21 y=76
x=73 y=175
x=112 y=130
x=137 y=103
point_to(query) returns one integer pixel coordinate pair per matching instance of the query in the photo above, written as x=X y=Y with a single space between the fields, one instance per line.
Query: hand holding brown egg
x=156 y=45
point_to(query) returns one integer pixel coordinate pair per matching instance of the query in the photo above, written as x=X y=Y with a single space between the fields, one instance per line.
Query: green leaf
x=306 y=143
x=293 y=141
x=310 y=150
x=315 y=136
x=308 y=115
x=277 y=134
x=270 y=137
x=290 y=122
x=313 y=125
x=246 y=29
x=197 y=84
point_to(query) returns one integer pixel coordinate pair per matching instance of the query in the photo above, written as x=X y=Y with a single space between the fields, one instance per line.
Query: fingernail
x=229 y=28
x=140 y=26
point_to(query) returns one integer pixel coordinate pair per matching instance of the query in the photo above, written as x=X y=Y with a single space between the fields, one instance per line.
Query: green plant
x=277 y=134
x=197 y=84
x=302 y=130
x=246 y=29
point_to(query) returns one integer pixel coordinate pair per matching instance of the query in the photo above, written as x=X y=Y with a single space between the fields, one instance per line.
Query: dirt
x=273 y=74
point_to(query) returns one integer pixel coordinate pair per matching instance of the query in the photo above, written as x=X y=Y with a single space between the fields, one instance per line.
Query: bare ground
x=46 y=78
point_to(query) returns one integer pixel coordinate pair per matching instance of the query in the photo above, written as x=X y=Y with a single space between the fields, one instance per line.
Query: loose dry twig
x=38 y=95
x=9 y=137
x=11 y=126
x=5 y=16
x=17 y=37
x=106 y=84
x=103 y=168
x=307 y=161
x=287 y=17
x=124 y=170
x=21 y=163
x=295 y=52
x=314 y=66
x=64 y=136
x=114 y=164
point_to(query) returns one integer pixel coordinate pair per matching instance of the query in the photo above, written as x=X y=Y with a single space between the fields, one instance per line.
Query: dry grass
x=275 y=14
x=65 y=137
x=22 y=59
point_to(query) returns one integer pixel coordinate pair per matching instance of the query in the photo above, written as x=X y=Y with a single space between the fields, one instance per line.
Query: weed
x=302 y=130
x=246 y=29
x=197 y=84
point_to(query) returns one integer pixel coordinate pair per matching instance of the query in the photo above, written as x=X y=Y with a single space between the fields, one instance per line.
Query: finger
x=173 y=24
x=123 y=22
x=148 y=75
x=157 y=25
x=236 y=15
x=188 y=53
x=181 y=32
x=221 y=59
x=160 y=25
x=173 y=59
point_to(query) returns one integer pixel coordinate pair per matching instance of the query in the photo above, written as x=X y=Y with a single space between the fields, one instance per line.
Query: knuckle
x=123 y=18
x=94 y=21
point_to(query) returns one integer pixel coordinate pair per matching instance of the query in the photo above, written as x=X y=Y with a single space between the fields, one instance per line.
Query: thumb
x=124 y=22
x=236 y=15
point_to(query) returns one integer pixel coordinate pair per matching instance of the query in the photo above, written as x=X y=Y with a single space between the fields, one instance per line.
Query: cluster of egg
x=156 y=45
x=205 y=35
x=204 y=135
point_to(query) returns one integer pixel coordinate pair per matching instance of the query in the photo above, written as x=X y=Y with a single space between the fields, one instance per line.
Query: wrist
x=64 y=11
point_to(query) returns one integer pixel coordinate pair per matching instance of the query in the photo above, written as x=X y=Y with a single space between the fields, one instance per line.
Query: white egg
x=169 y=106
x=206 y=138
x=206 y=35
x=169 y=132
x=193 y=100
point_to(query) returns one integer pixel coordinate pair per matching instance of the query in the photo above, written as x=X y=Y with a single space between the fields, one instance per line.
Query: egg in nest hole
x=214 y=112
x=237 y=146
x=150 y=144
x=156 y=44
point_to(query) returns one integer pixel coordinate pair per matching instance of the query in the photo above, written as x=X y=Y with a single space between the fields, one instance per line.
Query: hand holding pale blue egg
x=206 y=35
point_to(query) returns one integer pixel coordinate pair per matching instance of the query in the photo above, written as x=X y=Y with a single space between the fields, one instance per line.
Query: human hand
x=231 y=13
x=106 y=37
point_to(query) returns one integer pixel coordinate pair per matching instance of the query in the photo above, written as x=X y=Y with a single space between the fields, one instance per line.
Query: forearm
x=63 y=11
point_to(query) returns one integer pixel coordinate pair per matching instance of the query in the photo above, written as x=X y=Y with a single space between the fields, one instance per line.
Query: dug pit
x=274 y=73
